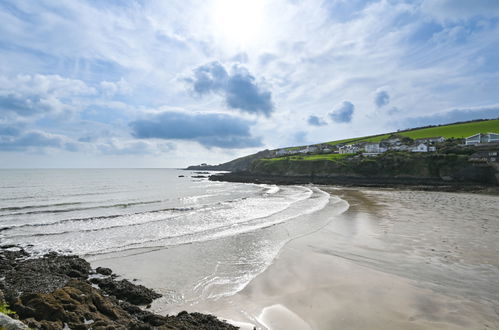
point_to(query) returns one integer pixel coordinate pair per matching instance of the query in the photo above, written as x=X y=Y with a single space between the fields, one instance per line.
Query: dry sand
x=394 y=260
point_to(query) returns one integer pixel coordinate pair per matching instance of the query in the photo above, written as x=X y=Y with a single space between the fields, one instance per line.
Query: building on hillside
x=348 y=149
x=431 y=140
x=308 y=149
x=482 y=138
x=283 y=152
x=372 y=149
x=420 y=148
x=392 y=141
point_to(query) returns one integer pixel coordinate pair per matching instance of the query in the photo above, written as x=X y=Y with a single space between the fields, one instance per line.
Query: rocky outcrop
x=239 y=164
x=60 y=292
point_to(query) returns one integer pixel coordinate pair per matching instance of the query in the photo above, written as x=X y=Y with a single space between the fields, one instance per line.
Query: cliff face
x=444 y=167
x=236 y=165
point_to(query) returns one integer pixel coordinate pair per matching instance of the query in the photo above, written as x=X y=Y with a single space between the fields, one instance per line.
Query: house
x=282 y=152
x=374 y=148
x=420 y=148
x=348 y=149
x=392 y=141
x=308 y=149
x=482 y=138
x=431 y=140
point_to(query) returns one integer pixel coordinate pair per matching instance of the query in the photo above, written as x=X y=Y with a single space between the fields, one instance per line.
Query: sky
x=103 y=83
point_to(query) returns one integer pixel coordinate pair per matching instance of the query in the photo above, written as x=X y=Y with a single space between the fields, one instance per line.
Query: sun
x=238 y=22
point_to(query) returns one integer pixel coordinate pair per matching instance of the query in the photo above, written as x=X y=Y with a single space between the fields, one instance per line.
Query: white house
x=308 y=149
x=482 y=138
x=373 y=148
x=420 y=148
x=282 y=152
x=436 y=139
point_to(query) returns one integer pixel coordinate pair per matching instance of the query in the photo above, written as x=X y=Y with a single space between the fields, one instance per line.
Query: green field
x=447 y=131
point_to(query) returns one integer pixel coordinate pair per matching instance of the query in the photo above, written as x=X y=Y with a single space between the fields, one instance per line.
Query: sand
x=394 y=260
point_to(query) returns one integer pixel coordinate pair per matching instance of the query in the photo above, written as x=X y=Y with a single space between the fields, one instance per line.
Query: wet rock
x=125 y=290
x=104 y=271
x=53 y=292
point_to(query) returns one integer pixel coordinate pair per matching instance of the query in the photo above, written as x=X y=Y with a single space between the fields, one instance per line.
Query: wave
x=17 y=208
x=220 y=231
x=118 y=205
x=45 y=224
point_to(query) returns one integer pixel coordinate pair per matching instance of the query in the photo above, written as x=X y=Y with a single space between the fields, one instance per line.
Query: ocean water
x=225 y=233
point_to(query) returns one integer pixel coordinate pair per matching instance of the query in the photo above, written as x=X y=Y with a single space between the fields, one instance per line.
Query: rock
x=125 y=290
x=104 y=271
x=8 y=323
x=53 y=292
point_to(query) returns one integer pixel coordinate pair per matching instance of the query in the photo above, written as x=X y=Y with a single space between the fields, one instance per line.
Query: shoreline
x=388 y=262
x=404 y=183
x=331 y=279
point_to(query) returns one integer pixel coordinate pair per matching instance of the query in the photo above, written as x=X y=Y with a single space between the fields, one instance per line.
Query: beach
x=392 y=260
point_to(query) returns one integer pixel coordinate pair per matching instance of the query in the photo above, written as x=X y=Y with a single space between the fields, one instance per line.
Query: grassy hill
x=458 y=130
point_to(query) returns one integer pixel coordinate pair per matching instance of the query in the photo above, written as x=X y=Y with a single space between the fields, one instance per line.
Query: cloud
x=344 y=113
x=316 y=121
x=453 y=116
x=381 y=98
x=29 y=95
x=35 y=139
x=210 y=130
x=238 y=87
x=110 y=88
x=120 y=147
x=460 y=9
x=9 y=130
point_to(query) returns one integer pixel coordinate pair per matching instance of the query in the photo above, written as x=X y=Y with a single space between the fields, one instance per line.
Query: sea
x=234 y=230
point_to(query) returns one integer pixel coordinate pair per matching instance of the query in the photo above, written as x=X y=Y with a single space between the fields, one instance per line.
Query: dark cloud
x=9 y=130
x=316 y=121
x=453 y=116
x=381 y=99
x=344 y=113
x=211 y=77
x=238 y=87
x=210 y=130
x=242 y=93
x=24 y=105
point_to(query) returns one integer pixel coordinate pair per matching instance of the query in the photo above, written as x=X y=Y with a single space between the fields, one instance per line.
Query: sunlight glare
x=238 y=22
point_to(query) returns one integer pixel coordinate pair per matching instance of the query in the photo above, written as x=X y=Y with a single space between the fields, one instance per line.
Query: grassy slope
x=448 y=131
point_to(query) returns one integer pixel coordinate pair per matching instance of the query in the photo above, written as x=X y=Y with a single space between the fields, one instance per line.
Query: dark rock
x=125 y=290
x=104 y=271
x=53 y=292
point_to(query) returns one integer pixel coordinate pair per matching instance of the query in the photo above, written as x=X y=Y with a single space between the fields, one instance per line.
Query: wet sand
x=393 y=260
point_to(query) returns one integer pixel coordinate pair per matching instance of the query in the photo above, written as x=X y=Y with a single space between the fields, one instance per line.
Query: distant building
x=436 y=139
x=374 y=148
x=482 y=138
x=282 y=152
x=348 y=149
x=420 y=148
